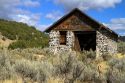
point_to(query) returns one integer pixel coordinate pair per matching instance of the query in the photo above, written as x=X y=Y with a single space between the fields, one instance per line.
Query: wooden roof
x=90 y=21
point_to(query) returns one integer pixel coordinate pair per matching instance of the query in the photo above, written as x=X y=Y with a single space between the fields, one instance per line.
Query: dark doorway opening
x=85 y=40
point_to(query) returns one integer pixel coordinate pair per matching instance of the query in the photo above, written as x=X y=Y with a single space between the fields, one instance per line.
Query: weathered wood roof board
x=73 y=23
x=85 y=18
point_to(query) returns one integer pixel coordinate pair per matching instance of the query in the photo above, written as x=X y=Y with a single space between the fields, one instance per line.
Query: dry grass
x=57 y=80
x=35 y=66
x=19 y=80
x=103 y=67
x=6 y=42
x=119 y=56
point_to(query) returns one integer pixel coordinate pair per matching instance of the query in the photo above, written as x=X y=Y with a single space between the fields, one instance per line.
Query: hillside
x=122 y=38
x=5 y=42
x=25 y=36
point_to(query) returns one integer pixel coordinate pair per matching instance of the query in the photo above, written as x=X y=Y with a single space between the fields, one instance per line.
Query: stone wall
x=54 y=43
x=70 y=39
x=105 y=43
x=54 y=40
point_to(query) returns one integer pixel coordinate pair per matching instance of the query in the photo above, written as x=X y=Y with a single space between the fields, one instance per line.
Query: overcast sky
x=43 y=13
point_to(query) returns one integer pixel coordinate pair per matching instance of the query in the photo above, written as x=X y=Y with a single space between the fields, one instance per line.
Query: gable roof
x=92 y=21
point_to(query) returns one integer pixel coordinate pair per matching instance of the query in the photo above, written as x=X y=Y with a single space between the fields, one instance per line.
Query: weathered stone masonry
x=70 y=39
x=105 y=43
x=55 y=44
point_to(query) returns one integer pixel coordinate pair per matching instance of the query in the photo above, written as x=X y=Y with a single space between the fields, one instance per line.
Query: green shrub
x=6 y=69
x=25 y=68
x=76 y=72
x=106 y=56
x=37 y=71
x=89 y=54
x=112 y=62
x=71 y=69
x=116 y=73
x=118 y=64
x=45 y=71
x=89 y=73
x=30 y=53
x=29 y=44
x=115 y=76
x=65 y=64
x=68 y=66
x=121 y=47
x=19 y=44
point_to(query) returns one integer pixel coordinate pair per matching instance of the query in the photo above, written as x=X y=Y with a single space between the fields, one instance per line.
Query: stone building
x=77 y=31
